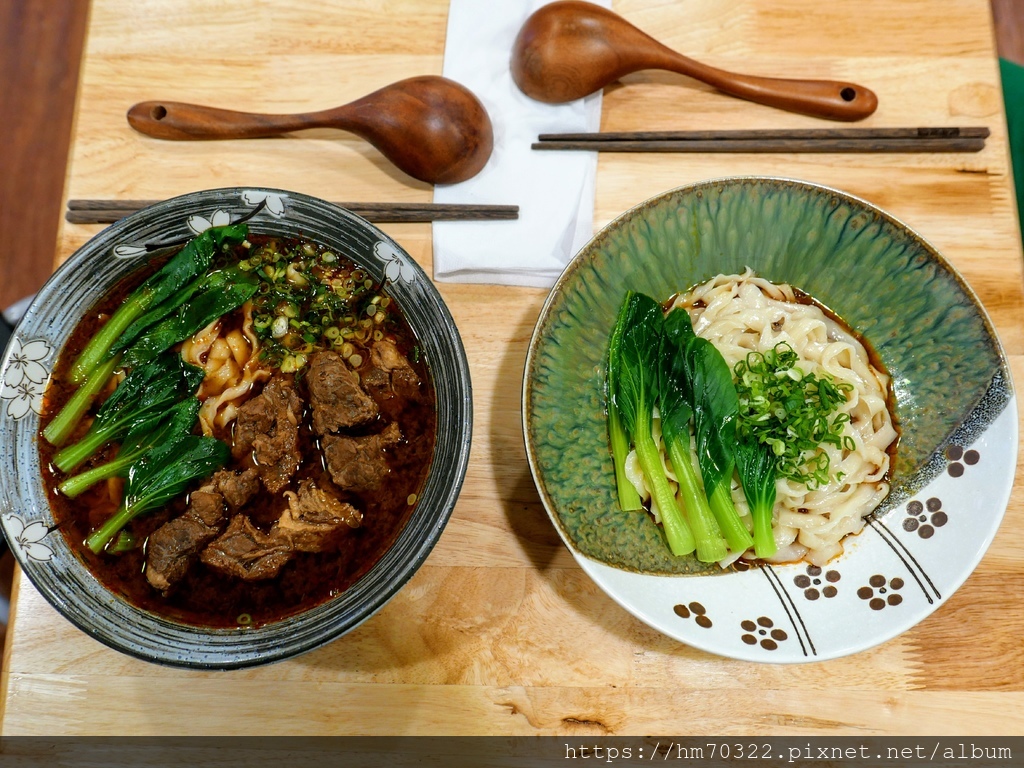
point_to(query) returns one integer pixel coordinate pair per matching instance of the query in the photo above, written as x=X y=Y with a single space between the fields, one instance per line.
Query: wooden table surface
x=500 y=632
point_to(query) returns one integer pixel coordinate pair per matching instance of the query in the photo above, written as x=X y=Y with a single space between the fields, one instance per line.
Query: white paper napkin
x=554 y=190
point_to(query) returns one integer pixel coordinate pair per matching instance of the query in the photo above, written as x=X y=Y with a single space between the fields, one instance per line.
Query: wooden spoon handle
x=832 y=99
x=191 y=122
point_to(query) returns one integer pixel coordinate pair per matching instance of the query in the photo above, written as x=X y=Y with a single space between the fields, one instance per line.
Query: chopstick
x=925 y=139
x=109 y=211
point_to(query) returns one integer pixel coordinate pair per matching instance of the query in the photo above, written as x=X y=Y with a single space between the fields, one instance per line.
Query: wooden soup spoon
x=570 y=49
x=431 y=127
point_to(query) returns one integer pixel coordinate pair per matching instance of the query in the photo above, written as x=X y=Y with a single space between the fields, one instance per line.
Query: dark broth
x=209 y=598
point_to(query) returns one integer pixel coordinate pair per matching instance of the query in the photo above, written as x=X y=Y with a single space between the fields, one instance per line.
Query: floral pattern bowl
x=25 y=514
x=955 y=462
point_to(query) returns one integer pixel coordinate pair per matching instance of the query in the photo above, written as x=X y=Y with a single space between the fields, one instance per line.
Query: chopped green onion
x=310 y=299
x=792 y=412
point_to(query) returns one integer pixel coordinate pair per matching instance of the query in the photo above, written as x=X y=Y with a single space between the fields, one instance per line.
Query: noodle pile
x=740 y=314
x=232 y=365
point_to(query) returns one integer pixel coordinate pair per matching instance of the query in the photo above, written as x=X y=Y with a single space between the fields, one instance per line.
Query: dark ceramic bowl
x=82 y=280
x=954 y=465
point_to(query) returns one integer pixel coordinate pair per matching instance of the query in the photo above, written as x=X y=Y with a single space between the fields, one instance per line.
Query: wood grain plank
x=518 y=616
x=516 y=709
x=987 y=611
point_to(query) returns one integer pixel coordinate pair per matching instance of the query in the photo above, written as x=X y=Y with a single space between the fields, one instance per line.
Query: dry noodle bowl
x=743 y=313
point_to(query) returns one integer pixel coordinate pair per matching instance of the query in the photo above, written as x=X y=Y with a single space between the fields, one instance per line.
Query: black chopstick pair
x=109 y=211
x=925 y=139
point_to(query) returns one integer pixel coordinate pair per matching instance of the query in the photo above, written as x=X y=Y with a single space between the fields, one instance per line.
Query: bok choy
x=756 y=467
x=629 y=499
x=634 y=398
x=144 y=435
x=147 y=392
x=657 y=361
x=174 y=303
x=220 y=292
x=715 y=408
x=159 y=476
x=190 y=262
x=676 y=415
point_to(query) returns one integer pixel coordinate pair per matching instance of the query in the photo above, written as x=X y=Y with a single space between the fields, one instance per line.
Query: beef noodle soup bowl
x=241 y=420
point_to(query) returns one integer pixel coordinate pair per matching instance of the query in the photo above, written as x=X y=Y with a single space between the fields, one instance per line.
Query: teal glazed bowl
x=25 y=514
x=953 y=391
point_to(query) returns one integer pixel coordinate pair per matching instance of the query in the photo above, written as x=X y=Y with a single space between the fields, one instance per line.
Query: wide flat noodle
x=232 y=365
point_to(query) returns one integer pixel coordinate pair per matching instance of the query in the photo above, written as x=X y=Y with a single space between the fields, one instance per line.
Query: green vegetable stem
x=147 y=392
x=676 y=415
x=64 y=423
x=159 y=476
x=715 y=408
x=185 y=266
x=634 y=397
x=629 y=499
x=144 y=435
x=755 y=465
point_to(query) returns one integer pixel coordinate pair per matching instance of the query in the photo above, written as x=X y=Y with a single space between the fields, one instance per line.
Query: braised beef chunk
x=172 y=547
x=206 y=506
x=338 y=400
x=267 y=433
x=358 y=464
x=268 y=427
x=390 y=374
x=315 y=518
x=243 y=550
x=236 y=487
x=312 y=522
